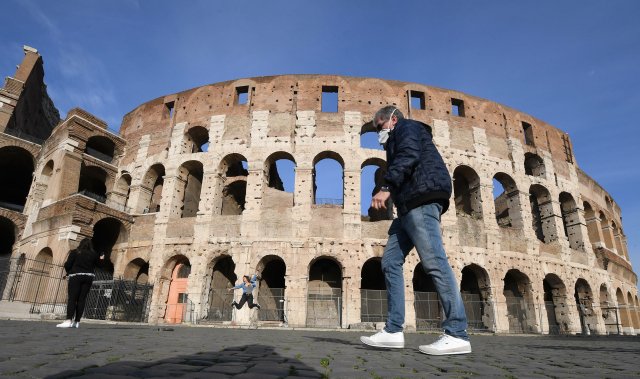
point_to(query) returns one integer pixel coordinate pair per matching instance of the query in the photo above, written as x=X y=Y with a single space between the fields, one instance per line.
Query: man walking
x=420 y=185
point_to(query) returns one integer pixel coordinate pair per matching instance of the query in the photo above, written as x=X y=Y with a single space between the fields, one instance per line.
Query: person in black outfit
x=79 y=267
x=248 y=285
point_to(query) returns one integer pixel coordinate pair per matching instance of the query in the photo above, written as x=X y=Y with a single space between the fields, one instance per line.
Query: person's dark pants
x=246 y=298
x=79 y=286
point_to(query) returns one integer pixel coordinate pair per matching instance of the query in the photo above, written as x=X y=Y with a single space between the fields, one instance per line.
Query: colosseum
x=190 y=195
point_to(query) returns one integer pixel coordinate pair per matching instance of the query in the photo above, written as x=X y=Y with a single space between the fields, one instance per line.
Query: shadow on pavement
x=260 y=361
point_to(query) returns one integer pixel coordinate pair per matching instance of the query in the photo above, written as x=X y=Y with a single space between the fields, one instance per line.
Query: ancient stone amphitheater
x=190 y=195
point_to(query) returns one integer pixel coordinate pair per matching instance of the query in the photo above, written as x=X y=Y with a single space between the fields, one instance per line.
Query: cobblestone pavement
x=98 y=350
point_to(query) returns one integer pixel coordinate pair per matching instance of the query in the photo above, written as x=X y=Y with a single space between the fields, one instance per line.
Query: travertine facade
x=191 y=181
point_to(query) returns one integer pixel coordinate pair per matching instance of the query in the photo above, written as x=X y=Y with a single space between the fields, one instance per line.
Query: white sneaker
x=65 y=324
x=384 y=339
x=76 y=324
x=447 y=345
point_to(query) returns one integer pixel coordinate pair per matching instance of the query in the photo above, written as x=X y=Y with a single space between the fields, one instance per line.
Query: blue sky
x=573 y=64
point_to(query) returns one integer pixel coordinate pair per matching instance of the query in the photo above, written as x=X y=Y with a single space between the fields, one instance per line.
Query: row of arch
x=565 y=308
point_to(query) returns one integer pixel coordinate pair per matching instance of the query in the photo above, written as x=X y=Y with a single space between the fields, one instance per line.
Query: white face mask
x=383 y=134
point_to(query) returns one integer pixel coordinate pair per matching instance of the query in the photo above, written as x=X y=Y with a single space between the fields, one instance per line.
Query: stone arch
x=275 y=195
x=222 y=277
x=16 y=167
x=519 y=300
x=371 y=179
x=593 y=230
x=152 y=184
x=542 y=215
x=137 y=271
x=108 y=232
x=507 y=201
x=189 y=182
x=176 y=274
x=196 y=140
x=633 y=312
x=584 y=302
x=475 y=289
x=41 y=271
x=46 y=174
x=426 y=301
x=122 y=189
x=571 y=221
x=606 y=231
x=324 y=292
x=234 y=172
x=100 y=147
x=555 y=304
x=93 y=182
x=324 y=195
x=617 y=239
x=608 y=311
x=467 y=192
x=533 y=165
x=623 y=308
x=373 y=291
x=272 y=270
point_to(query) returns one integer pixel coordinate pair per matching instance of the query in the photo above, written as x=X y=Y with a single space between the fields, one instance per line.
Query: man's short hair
x=385 y=113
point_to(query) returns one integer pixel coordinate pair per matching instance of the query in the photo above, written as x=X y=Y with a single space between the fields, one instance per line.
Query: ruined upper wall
x=285 y=95
x=26 y=110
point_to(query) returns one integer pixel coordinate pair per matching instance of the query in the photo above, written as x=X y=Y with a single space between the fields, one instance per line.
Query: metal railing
x=25 y=136
x=12 y=206
x=42 y=286
x=324 y=307
x=94 y=196
x=373 y=305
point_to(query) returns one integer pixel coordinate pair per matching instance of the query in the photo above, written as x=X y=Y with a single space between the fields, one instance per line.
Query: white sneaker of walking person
x=65 y=324
x=447 y=345
x=384 y=339
x=76 y=324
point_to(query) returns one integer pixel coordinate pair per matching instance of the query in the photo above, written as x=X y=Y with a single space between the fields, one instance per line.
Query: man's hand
x=379 y=201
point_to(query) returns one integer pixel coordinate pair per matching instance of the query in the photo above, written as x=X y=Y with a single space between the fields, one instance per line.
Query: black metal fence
x=42 y=286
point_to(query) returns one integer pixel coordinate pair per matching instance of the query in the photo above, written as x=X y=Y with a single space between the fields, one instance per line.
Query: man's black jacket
x=416 y=173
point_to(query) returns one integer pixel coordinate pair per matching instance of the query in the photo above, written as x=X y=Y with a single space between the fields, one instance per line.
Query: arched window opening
x=100 y=147
x=373 y=292
x=271 y=294
x=571 y=221
x=92 y=183
x=371 y=179
x=369 y=137
x=466 y=189
x=16 y=167
x=8 y=232
x=328 y=180
x=122 y=191
x=426 y=302
x=324 y=296
x=152 y=185
x=520 y=310
x=137 y=271
x=542 y=213
x=197 y=140
x=106 y=233
x=506 y=200
x=555 y=303
x=234 y=169
x=592 y=223
x=476 y=295
x=617 y=238
x=623 y=309
x=584 y=304
x=280 y=171
x=533 y=165
x=606 y=231
x=189 y=182
x=222 y=277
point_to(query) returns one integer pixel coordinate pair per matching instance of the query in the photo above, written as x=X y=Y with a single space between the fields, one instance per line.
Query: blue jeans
x=421 y=228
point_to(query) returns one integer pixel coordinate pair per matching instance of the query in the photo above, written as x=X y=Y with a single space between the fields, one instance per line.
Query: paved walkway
x=35 y=349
